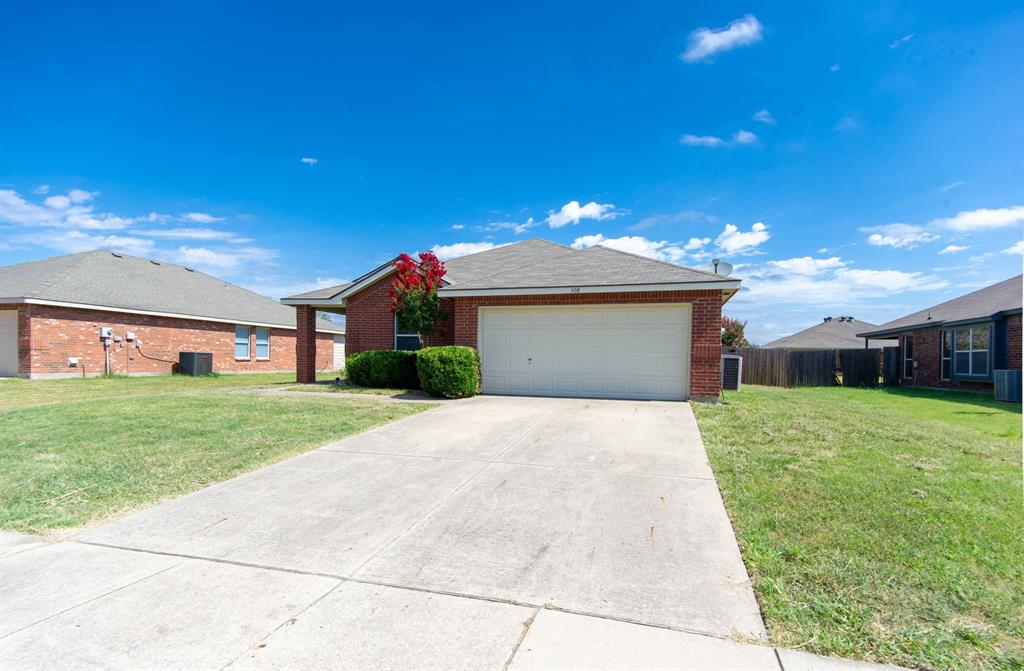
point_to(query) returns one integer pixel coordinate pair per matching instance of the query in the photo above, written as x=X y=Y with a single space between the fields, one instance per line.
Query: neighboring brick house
x=549 y=320
x=52 y=310
x=957 y=344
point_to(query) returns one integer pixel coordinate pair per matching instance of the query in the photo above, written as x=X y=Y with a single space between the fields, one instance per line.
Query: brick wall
x=1013 y=342
x=706 y=337
x=370 y=323
x=926 y=347
x=48 y=335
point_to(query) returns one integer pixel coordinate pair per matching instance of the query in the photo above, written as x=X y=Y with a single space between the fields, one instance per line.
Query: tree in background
x=732 y=332
x=414 y=291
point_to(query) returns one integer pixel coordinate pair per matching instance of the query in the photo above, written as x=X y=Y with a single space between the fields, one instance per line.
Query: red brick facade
x=370 y=323
x=926 y=347
x=48 y=335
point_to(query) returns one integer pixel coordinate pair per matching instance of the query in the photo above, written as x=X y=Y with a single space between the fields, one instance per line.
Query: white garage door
x=8 y=343
x=603 y=351
x=339 y=352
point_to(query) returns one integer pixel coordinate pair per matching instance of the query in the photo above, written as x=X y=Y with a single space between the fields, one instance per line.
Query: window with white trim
x=945 y=354
x=971 y=348
x=405 y=337
x=908 y=356
x=262 y=342
x=242 y=342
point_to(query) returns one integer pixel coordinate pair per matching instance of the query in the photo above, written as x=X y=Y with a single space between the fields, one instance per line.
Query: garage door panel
x=611 y=351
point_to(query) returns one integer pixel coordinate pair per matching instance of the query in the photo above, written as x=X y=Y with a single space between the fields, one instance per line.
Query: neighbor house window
x=241 y=342
x=908 y=356
x=970 y=356
x=262 y=343
x=405 y=338
x=946 y=349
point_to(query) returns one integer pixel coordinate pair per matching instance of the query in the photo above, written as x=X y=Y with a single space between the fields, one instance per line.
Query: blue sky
x=848 y=158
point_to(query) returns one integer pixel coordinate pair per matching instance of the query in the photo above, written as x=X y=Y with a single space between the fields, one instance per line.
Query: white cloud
x=953 y=249
x=521 y=227
x=278 y=288
x=634 y=244
x=62 y=211
x=734 y=241
x=673 y=218
x=947 y=187
x=744 y=137
x=808 y=266
x=309 y=160
x=41 y=190
x=824 y=282
x=458 y=227
x=834 y=67
x=900 y=42
x=847 y=123
x=572 y=213
x=221 y=260
x=190 y=234
x=701 y=140
x=696 y=244
x=982 y=219
x=898 y=235
x=70 y=242
x=78 y=196
x=445 y=252
x=1017 y=248
x=707 y=42
x=764 y=116
x=202 y=217
x=57 y=202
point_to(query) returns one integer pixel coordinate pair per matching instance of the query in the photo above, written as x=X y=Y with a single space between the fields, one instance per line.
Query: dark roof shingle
x=978 y=305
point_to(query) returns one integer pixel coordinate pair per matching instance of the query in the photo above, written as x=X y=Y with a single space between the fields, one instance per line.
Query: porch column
x=305 y=344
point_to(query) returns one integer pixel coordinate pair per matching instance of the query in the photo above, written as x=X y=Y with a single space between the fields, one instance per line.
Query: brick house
x=52 y=310
x=957 y=344
x=549 y=320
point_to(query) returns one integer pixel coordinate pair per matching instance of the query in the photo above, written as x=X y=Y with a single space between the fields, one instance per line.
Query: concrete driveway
x=490 y=532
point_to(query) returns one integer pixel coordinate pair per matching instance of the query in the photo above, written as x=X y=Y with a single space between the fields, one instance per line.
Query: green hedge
x=451 y=372
x=383 y=368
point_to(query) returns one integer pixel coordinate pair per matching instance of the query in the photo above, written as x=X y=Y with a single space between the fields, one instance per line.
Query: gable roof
x=541 y=265
x=124 y=283
x=835 y=333
x=992 y=301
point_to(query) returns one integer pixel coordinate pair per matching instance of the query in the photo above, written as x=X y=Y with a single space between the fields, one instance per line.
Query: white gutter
x=152 y=313
x=607 y=289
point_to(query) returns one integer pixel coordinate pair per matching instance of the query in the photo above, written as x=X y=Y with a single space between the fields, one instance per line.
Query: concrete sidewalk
x=74 y=605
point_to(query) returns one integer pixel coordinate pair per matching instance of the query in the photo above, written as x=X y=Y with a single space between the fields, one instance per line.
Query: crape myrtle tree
x=414 y=291
x=732 y=332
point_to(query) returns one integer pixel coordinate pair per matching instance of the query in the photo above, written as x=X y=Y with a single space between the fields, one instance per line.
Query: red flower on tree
x=414 y=290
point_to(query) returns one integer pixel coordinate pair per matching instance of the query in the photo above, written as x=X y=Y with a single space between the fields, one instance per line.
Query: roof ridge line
x=59 y=276
x=664 y=263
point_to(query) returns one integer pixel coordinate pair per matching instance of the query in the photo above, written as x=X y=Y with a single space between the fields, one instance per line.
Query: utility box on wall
x=195 y=363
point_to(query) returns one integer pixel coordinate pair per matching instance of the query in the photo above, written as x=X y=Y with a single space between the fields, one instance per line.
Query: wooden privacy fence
x=811 y=368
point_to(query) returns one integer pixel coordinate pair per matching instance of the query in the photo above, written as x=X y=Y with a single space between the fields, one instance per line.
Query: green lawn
x=881 y=524
x=77 y=451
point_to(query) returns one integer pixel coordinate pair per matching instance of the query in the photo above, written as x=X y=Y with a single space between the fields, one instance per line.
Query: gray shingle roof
x=833 y=334
x=539 y=264
x=102 y=278
x=1003 y=296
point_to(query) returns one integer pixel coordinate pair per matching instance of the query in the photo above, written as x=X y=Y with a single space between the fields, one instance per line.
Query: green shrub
x=451 y=372
x=383 y=368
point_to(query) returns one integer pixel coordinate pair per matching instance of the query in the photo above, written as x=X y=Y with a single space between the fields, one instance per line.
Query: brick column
x=305 y=344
